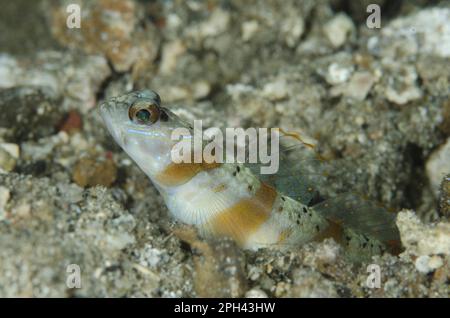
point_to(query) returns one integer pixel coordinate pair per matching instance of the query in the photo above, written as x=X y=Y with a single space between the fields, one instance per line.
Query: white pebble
x=338 y=29
x=435 y=262
x=12 y=149
x=438 y=165
x=422 y=264
x=360 y=85
x=248 y=29
x=338 y=74
x=275 y=90
x=255 y=293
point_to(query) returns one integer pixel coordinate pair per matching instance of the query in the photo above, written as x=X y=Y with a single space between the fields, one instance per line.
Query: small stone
x=150 y=256
x=173 y=21
x=248 y=29
x=281 y=289
x=328 y=252
x=435 y=262
x=438 y=166
x=89 y=172
x=426 y=264
x=338 y=74
x=201 y=89
x=359 y=85
x=292 y=27
x=255 y=293
x=372 y=43
x=72 y=123
x=119 y=241
x=338 y=29
x=402 y=97
x=12 y=149
x=423 y=239
x=254 y=272
x=7 y=162
x=421 y=264
x=9 y=153
x=170 y=53
x=275 y=90
x=311 y=284
x=216 y=24
x=175 y=93
x=401 y=83
x=71 y=192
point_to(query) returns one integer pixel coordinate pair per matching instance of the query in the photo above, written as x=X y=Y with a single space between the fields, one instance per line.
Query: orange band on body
x=246 y=216
x=180 y=173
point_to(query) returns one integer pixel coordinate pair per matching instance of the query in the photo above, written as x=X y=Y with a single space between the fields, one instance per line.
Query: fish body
x=223 y=199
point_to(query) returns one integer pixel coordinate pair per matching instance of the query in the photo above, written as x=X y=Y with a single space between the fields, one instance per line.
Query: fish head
x=143 y=128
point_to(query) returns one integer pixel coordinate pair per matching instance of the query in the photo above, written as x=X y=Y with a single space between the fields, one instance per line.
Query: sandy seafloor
x=376 y=100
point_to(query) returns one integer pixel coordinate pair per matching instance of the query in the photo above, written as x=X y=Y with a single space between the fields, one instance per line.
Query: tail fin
x=363 y=220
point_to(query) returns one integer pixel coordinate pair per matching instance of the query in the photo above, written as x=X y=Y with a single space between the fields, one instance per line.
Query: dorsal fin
x=301 y=172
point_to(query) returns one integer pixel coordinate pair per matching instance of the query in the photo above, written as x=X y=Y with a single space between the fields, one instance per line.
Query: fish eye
x=144 y=113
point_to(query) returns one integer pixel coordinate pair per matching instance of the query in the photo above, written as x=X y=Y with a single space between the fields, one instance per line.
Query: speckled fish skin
x=220 y=199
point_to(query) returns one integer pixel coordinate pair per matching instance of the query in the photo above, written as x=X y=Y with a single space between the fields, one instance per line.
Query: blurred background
x=374 y=94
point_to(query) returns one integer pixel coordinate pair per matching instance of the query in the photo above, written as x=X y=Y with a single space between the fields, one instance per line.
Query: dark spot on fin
x=333 y=230
x=394 y=247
